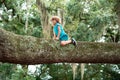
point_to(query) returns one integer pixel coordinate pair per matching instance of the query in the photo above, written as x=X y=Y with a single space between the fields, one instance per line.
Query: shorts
x=64 y=38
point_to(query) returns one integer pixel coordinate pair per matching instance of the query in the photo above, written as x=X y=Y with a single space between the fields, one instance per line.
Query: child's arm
x=59 y=31
x=54 y=37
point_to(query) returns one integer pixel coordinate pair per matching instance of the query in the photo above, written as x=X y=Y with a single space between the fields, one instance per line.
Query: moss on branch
x=20 y=49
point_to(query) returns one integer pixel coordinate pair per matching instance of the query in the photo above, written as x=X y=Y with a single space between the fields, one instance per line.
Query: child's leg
x=63 y=43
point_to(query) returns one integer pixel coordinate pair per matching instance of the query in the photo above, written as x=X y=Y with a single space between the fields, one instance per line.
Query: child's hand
x=57 y=38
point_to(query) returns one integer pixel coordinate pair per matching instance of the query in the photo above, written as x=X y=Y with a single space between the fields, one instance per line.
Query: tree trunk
x=74 y=68
x=44 y=18
x=27 y=14
x=30 y=50
x=82 y=71
x=60 y=13
x=117 y=9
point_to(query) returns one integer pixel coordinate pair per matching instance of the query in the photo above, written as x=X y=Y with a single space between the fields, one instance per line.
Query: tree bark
x=117 y=9
x=29 y=50
x=44 y=18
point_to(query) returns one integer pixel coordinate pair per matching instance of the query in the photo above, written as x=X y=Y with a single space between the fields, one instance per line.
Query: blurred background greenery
x=85 y=20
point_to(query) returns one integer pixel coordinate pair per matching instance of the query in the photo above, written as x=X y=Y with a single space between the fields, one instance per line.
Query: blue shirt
x=55 y=29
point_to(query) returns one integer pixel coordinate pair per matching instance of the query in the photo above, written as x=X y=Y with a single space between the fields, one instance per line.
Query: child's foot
x=74 y=42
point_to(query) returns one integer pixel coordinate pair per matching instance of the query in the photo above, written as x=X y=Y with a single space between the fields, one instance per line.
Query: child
x=59 y=33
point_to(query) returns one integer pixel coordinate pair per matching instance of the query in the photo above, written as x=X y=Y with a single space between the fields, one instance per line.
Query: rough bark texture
x=19 y=49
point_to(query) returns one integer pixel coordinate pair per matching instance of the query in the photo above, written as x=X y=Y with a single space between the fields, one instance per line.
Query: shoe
x=74 y=42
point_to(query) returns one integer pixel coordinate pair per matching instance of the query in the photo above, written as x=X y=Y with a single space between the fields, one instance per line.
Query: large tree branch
x=30 y=50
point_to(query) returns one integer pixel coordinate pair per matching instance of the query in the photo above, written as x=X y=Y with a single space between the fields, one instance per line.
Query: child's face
x=54 y=22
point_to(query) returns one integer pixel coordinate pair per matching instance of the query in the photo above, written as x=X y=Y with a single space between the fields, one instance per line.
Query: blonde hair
x=58 y=19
